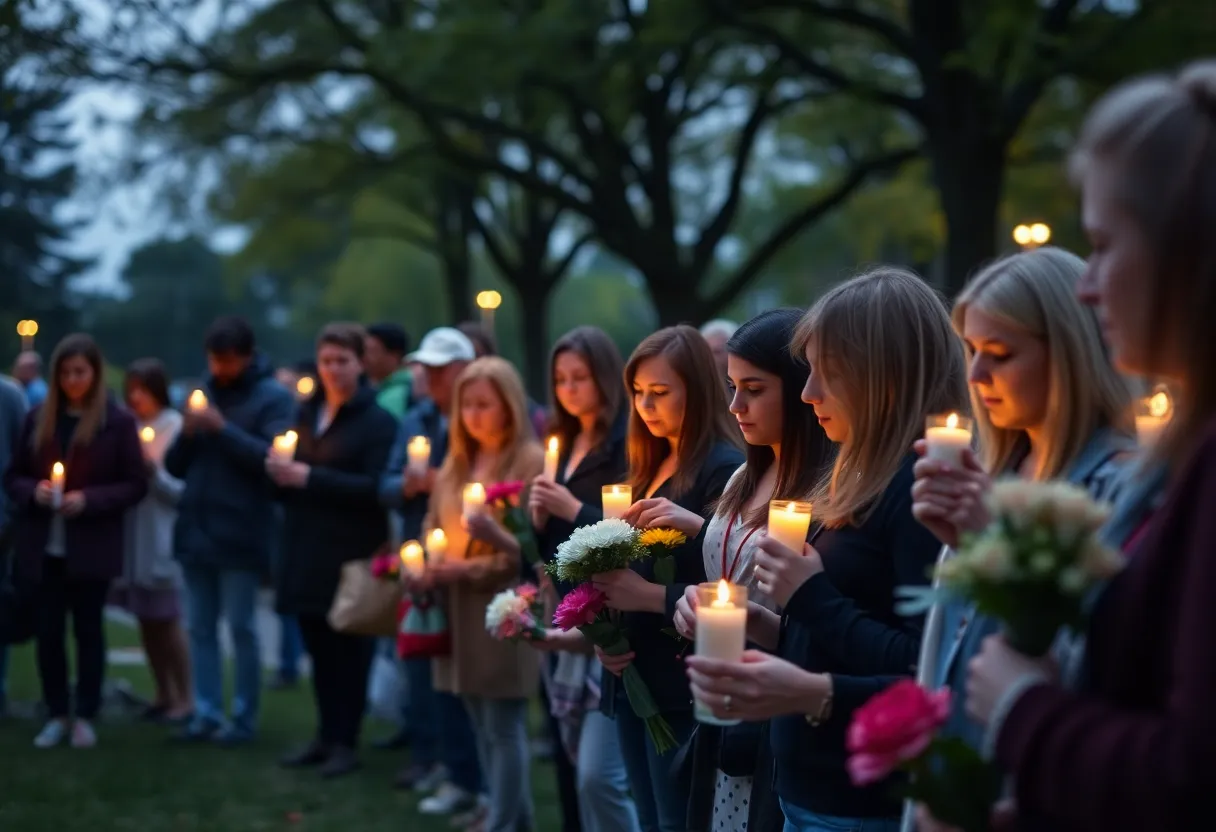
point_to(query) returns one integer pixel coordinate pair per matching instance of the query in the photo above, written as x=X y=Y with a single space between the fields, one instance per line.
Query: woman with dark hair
x=150 y=586
x=682 y=448
x=786 y=455
x=589 y=427
x=76 y=471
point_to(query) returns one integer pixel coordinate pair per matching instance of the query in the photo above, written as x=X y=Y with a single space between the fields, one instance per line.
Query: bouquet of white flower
x=1035 y=563
x=603 y=547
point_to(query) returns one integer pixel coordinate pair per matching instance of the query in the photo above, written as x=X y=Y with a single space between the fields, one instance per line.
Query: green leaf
x=665 y=570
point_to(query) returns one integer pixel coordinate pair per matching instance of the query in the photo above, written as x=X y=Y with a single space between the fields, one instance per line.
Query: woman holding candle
x=786 y=454
x=72 y=548
x=491 y=440
x=1048 y=403
x=1146 y=163
x=589 y=431
x=150 y=586
x=332 y=515
x=882 y=358
x=682 y=447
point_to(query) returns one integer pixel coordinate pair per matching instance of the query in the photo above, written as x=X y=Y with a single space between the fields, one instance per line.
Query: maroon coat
x=1135 y=750
x=109 y=470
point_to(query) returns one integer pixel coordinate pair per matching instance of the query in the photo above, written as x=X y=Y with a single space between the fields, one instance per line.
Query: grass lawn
x=135 y=781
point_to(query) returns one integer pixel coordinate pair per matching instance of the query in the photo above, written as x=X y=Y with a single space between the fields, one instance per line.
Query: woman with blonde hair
x=882 y=359
x=1048 y=403
x=491 y=441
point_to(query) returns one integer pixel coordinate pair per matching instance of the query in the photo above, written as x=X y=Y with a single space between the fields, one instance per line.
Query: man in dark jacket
x=12 y=416
x=226 y=521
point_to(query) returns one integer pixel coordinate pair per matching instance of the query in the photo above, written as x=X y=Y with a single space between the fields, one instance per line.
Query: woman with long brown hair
x=76 y=471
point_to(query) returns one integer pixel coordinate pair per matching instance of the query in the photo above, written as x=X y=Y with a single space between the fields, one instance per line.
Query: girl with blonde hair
x=491 y=441
x=882 y=358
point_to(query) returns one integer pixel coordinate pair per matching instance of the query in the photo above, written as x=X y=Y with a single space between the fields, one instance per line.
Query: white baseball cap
x=442 y=346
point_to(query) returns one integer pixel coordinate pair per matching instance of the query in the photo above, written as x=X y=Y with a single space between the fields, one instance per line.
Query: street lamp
x=27 y=330
x=488 y=301
x=1033 y=235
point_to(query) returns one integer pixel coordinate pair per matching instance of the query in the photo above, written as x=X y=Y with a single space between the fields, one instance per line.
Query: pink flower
x=528 y=592
x=384 y=566
x=895 y=726
x=504 y=491
x=580 y=607
x=509 y=628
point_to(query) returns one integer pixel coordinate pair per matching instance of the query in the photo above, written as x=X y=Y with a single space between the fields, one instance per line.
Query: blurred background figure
x=716 y=333
x=385 y=346
x=27 y=369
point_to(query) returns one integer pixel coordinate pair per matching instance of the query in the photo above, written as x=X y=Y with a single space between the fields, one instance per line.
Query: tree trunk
x=536 y=338
x=675 y=301
x=969 y=172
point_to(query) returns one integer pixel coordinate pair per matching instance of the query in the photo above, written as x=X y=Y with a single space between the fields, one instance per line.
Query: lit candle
x=788 y=523
x=305 y=387
x=148 y=435
x=285 y=446
x=419 y=453
x=436 y=546
x=721 y=631
x=474 y=499
x=946 y=437
x=198 y=400
x=615 y=499
x=412 y=560
x=1153 y=414
x=58 y=475
x=551 y=455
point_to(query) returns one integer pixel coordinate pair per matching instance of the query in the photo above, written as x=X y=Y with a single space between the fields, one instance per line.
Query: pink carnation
x=893 y=727
x=580 y=607
x=528 y=592
x=503 y=491
x=384 y=566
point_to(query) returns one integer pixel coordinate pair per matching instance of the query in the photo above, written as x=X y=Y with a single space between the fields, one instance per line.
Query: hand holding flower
x=614 y=664
x=627 y=591
x=994 y=670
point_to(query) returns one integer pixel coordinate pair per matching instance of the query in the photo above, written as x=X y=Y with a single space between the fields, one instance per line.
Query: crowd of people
x=178 y=517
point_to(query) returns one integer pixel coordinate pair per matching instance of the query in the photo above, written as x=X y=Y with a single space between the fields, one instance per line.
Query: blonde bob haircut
x=521 y=447
x=1035 y=292
x=885 y=347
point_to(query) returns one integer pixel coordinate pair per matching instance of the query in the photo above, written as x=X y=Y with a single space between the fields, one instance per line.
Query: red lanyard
x=728 y=574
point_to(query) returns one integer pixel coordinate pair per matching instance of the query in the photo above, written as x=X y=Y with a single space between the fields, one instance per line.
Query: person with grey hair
x=716 y=333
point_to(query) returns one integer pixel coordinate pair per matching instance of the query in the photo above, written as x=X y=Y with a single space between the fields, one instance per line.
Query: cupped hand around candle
x=949 y=500
x=553 y=499
x=627 y=591
x=685 y=620
x=780 y=570
x=287 y=474
x=44 y=493
x=614 y=664
x=73 y=503
x=662 y=513
x=760 y=686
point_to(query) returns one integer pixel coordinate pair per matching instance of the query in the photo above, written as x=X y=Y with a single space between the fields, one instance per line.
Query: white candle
x=147 y=435
x=1152 y=416
x=198 y=400
x=615 y=499
x=721 y=631
x=412 y=560
x=946 y=437
x=474 y=499
x=419 y=452
x=58 y=475
x=551 y=459
x=436 y=546
x=788 y=523
x=285 y=446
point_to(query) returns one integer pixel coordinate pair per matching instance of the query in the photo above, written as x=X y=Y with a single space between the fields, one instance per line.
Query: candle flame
x=437 y=536
x=291 y=437
x=198 y=400
x=552 y=444
x=616 y=489
x=790 y=508
x=147 y=434
x=410 y=550
x=419 y=442
x=952 y=421
x=306 y=385
x=723 y=592
x=57 y=469
x=477 y=491
x=1159 y=404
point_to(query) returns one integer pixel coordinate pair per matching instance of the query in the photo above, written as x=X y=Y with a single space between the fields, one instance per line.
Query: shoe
x=396 y=742
x=448 y=799
x=198 y=730
x=313 y=754
x=83 y=735
x=53 y=733
x=342 y=761
x=232 y=737
x=473 y=817
x=420 y=778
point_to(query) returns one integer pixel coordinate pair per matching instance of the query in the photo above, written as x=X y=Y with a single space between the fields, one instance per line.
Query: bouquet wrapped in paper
x=1035 y=564
x=515 y=613
x=603 y=547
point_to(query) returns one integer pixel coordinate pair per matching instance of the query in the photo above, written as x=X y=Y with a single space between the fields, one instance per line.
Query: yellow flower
x=669 y=538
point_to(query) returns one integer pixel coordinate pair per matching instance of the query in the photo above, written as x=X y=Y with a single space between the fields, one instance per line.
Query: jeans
x=233 y=594
x=798 y=819
x=604 y=803
x=661 y=794
x=84 y=600
x=422 y=716
x=340 y=667
x=458 y=742
x=564 y=768
x=291 y=648
x=502 y=740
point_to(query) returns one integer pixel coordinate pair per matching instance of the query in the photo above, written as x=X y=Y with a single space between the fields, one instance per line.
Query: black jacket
x=337 y=516
x=657 y=654
x=225 y=518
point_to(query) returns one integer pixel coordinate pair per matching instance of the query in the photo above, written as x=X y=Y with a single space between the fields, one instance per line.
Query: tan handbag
x=364 y=605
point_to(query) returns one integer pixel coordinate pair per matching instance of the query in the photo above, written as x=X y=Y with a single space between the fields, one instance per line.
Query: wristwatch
x=825 y=707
